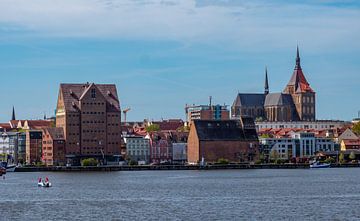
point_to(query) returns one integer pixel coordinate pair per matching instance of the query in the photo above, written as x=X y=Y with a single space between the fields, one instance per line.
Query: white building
x=138 y=148
x=300 y=145
x=317 y=125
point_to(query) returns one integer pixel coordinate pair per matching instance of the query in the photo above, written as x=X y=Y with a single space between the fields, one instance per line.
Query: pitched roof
x=278 y=99
x=56 y=133
x=38 y=124
x=298 y=78
x=6 y=126
x=73 y=92
x=249 y=100
x=224 y=130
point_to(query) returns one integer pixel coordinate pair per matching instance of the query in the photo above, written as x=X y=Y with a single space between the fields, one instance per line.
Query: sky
x=164 y=54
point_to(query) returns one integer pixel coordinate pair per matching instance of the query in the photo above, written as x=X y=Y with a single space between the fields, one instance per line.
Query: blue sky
x=162 y=54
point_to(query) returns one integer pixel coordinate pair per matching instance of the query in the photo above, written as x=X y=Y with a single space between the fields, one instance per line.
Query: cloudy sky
x=163 y=54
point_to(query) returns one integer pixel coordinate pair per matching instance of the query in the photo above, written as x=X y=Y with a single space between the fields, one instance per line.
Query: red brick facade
x=90 y=116
x=53 y=148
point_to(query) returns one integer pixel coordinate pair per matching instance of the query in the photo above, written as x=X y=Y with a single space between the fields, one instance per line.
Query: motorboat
x=2 y=171
x=8 y=167
x=44 y=184
x=316 y=164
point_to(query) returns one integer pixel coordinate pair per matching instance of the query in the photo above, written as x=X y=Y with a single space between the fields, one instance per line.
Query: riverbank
x=174 y=167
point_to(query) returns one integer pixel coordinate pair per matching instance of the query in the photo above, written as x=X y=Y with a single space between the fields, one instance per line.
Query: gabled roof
x=37 y=124
x=249 y=100
x=72 y=94
x=223 y=130
x=278 y=99
x=298 y=79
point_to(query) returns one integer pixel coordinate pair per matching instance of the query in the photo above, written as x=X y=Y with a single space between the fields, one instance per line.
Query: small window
x=93 y=93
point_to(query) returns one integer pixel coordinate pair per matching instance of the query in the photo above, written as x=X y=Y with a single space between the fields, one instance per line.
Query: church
x=295 y=103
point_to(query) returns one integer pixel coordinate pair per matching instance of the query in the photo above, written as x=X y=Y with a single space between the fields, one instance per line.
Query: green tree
x=341 y=158
x=265 y=136
x=89 y=162
x=152 y=128
x=352 y=156
x=222 y=161
x=274 y=155
x=356 y=128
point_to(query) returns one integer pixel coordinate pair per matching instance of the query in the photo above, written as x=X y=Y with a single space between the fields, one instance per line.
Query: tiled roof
x=225 y=130
x=249 y=100
x=38 y=124
x=278 y=99
x=299 y=81
x=73 y=92
x=56 y=133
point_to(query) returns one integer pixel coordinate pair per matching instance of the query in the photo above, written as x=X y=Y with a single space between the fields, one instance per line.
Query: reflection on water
x=324 y=194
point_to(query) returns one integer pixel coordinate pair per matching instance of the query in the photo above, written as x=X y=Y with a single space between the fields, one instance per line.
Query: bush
x=258 y=162
x=89 y=162
x=222 y=161
x=133 y=162
x=329 y=160
x=39 y=164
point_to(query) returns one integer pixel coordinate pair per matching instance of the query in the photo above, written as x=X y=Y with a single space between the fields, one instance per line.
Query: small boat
x=2 y=171
x=44 y=184
x=10 y=168
x=316 y=164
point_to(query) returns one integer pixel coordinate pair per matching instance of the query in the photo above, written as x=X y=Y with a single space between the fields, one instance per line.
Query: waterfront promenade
x=175 y=167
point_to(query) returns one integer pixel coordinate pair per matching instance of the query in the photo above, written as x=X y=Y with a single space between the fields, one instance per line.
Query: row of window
x=93 y=131
x=94 y=103
x=85 y=112
x=93 y=122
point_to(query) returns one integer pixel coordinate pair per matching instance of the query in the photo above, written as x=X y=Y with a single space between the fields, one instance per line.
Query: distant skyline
x=163 y=54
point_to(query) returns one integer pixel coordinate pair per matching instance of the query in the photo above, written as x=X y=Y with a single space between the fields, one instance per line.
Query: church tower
x=301 y=92
x=266 y=82
x=13 y=114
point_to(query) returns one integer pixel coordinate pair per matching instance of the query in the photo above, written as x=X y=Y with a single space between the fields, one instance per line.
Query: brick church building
x=295 y=103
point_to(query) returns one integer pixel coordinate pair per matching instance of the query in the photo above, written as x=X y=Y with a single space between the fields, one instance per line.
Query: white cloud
x=239 y=24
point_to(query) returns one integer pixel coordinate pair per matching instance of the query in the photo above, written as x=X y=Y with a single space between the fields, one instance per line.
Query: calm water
x=323 y=194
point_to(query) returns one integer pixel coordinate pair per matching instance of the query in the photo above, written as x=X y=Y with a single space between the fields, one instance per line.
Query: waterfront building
x=234 y=140
x=137 y=148
x=33 y=146
x=317 y=125
x=91 y=118
x=207 y=112
x=350 y=144
x=53 y=148
x=295 y=103
x=348 y=134
x=179 y=152
x=160 y=147
x=299 y=145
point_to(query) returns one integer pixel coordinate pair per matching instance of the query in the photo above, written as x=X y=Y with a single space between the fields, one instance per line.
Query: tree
x=356 y=128
x=352 y=156
x=341 y=158
x=274 y=155
x=152 y=128
x=89 y=162
x=265 y=136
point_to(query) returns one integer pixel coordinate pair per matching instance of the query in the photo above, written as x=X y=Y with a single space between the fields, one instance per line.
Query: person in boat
x=39 y=180
x=46 y=180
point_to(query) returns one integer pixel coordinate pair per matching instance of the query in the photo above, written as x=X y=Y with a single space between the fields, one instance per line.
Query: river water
x=297 y=194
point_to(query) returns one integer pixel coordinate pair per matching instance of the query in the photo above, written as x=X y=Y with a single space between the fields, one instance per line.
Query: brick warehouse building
x=90 y=116
x=234 y=140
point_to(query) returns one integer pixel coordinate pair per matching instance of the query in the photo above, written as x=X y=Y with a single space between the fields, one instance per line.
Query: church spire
x=297 y=66
x=13 y=114
x=266 y=81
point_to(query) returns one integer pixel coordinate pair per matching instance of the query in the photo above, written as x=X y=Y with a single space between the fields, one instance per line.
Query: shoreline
x=172 y=167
